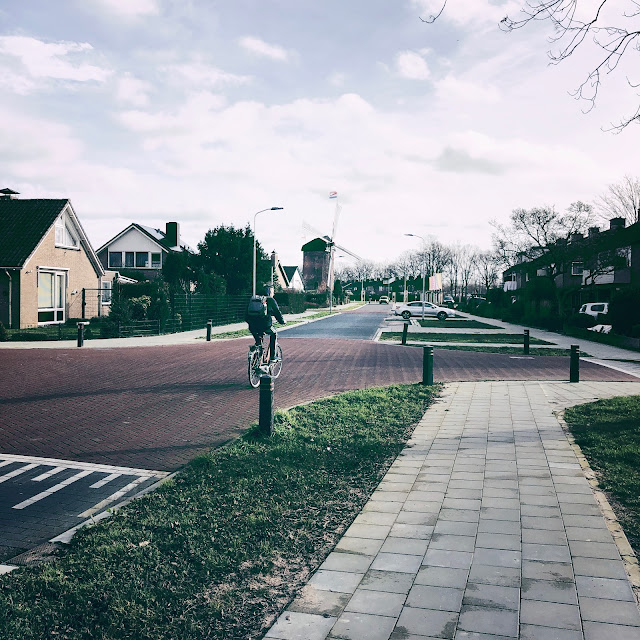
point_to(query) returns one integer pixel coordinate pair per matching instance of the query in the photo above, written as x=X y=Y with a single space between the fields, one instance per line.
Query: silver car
x=430 y=310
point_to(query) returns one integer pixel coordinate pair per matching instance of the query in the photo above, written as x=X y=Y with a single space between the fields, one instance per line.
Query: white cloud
x=131 y=90
x=131 y=8
x=412 y=65
x=261 y=48
x=452 y=88
x=467 y=12
x=203 y=75
x=55 y=60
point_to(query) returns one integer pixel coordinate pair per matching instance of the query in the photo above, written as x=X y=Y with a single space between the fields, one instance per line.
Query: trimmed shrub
x=624 y=310
x=581 y=320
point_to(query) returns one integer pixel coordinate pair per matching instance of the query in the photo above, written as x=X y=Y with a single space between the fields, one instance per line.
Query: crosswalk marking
x=48 y=474
x=17 y=472
x=112 y=498
x=48 y=492
x=104 y=481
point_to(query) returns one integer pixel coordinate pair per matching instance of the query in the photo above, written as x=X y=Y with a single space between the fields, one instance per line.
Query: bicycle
x=259 y=357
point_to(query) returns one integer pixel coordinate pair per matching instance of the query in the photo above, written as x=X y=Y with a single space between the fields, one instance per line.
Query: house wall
x=296 y=283
x=81 y=274
x=134 y=241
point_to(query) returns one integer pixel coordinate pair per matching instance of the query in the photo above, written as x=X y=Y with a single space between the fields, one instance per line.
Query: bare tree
x=622 y=200
x=487 y=266
x=574 y=28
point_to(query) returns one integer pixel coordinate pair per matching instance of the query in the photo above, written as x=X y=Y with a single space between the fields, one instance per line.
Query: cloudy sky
x=206 y=111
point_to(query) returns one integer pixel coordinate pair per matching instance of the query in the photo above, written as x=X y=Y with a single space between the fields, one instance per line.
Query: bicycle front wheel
x=276 y=367
x=254 y=369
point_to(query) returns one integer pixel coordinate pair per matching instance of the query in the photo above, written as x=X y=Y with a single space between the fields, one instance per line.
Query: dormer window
x=64 y=236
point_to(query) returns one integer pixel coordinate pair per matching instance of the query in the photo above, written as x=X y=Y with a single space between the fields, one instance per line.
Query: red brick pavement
x=157 y=407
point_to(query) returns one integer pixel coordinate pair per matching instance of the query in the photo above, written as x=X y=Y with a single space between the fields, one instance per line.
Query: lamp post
x=424 y=267
x=254 y=242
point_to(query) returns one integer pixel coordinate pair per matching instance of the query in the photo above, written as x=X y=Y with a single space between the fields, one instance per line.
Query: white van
x=594 y=308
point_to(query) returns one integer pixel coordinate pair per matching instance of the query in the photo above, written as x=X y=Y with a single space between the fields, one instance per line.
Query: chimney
x=8 y=194
x=594 y=231
x=616 y=223
x=172 y=234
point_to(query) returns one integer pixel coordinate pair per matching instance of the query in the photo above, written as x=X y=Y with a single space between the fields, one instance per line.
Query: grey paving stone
x=351 y=562
x=452 y=542
x=604 y=588
x=488 y=620
x=547 y=570
x=486 y=595
x=548 y=500
x=459 y=515
x=442 y=577
x=604 y=550
x=373 y=531
x=500 y=503
x=536 y=490
x=497 y=557
x=320 y=602
x=405 y=545
x=418 y=531
x=390 y=581
x=389 y=496
x=580 y=509
x=499 y=576
x=600 y=631
x=588 y=535
x=341 y=581
x=561 y=591
x=597 y=522
x=550 y=614
x=301 y=626
x=394 y=485
x=380 y=603
x=456 y=527
x=498 y=526
x=534 y=632
x=492 y=513
x=444 y=558
x=473 y=635
x=461 y=503
x=385 y=507
x=471 y=494
x=494 y=492
x=598 y=568
x=417 y=517
x=427 y=622
x=397 y=562
x=363 y=626
x=546 y=552
x=375 y=517
x=542 y=511
x=362 y=546
x=422 y=507
x=535 y=522
x=573 y=498
x=602 y=610
x=435 y=597
x=498 y=541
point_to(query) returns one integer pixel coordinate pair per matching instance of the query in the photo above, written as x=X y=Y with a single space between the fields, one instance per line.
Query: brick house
x=46 y=260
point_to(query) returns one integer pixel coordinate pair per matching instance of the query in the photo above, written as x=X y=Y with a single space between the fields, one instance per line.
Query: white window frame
x=60 y=301
x=575 y=266
x=65 y=238
x=107 y=291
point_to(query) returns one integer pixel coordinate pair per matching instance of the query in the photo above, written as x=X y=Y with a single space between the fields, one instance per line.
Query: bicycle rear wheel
x=254 y=369
x=276 y=367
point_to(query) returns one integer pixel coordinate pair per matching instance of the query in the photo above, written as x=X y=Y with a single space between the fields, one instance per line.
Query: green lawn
x=608 y=432
x=221 y=549
x=457 y=324
x=506 y=338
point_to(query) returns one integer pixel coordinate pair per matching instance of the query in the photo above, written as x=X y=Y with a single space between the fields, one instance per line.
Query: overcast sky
x=205 y=111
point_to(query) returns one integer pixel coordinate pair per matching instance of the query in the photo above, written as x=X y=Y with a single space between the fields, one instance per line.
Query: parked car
x=448 y=301
x=594 y=308
x=384 y=300
x=430 y=310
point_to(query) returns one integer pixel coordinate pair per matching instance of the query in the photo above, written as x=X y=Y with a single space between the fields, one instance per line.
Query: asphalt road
x=142 y=411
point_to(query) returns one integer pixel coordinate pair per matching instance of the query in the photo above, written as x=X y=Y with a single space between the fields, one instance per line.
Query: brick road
x=157 y=407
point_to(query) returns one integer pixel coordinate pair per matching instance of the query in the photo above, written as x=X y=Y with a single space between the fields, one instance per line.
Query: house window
x=115 y=259
x=142 y=259
x=156 y=260
x=128 y=259
x=577 y=268
x=65 y=237
x=51 y=296
x=106 y=293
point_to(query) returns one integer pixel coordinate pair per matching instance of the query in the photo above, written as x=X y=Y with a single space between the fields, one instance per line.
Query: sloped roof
x=290 y=271
x=157 y=235
x=317 y=244
x=23 y=223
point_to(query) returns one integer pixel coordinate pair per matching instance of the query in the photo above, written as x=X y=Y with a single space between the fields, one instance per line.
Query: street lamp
x=424 y=267
x=254 y=242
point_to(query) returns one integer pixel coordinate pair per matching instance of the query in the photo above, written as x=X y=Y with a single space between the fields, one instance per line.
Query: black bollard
x=427 y=365
x=80 y=333
x=574 y=364
x=526 y=342
x=209 y=325
x=404 y=332
x=265 y=421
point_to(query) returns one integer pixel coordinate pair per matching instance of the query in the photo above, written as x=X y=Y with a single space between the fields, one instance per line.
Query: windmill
x=331 y=245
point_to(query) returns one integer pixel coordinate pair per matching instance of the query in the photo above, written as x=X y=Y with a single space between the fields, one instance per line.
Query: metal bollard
x=526 y=342
x=265 y=420
x=80 y=333
x=404 y=332
x=427 y=365
x=209 y=325
x=574 y=364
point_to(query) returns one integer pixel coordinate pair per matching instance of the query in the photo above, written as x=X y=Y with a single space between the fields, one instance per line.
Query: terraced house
x=46 y=260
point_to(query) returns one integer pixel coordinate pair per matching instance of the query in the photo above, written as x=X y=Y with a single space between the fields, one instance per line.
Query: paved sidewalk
x=484 y=528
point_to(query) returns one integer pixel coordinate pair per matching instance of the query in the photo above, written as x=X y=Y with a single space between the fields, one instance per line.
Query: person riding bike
x=260 y=311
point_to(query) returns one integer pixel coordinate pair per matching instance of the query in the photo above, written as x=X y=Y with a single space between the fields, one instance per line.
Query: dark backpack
x=257 y=307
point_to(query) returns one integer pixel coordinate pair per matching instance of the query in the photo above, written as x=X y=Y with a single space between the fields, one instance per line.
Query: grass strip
x=608 y=432
x=506 y=338
x=457 y=324
x=221 y=549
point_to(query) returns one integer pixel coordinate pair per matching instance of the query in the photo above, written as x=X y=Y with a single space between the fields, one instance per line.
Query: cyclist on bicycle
x=259 y=314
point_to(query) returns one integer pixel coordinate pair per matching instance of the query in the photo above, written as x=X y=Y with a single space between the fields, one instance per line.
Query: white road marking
x=17 y=472
x=5 y=463
x=51 y=491
x=104 y=481
x=112 y=498
x=48 y=474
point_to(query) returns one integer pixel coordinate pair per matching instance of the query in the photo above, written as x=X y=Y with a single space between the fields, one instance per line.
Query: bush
x=624 y=310
x=581 y=321
x=4 y=334
x=318 y=299
x=293 y=301
x=635 y=331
